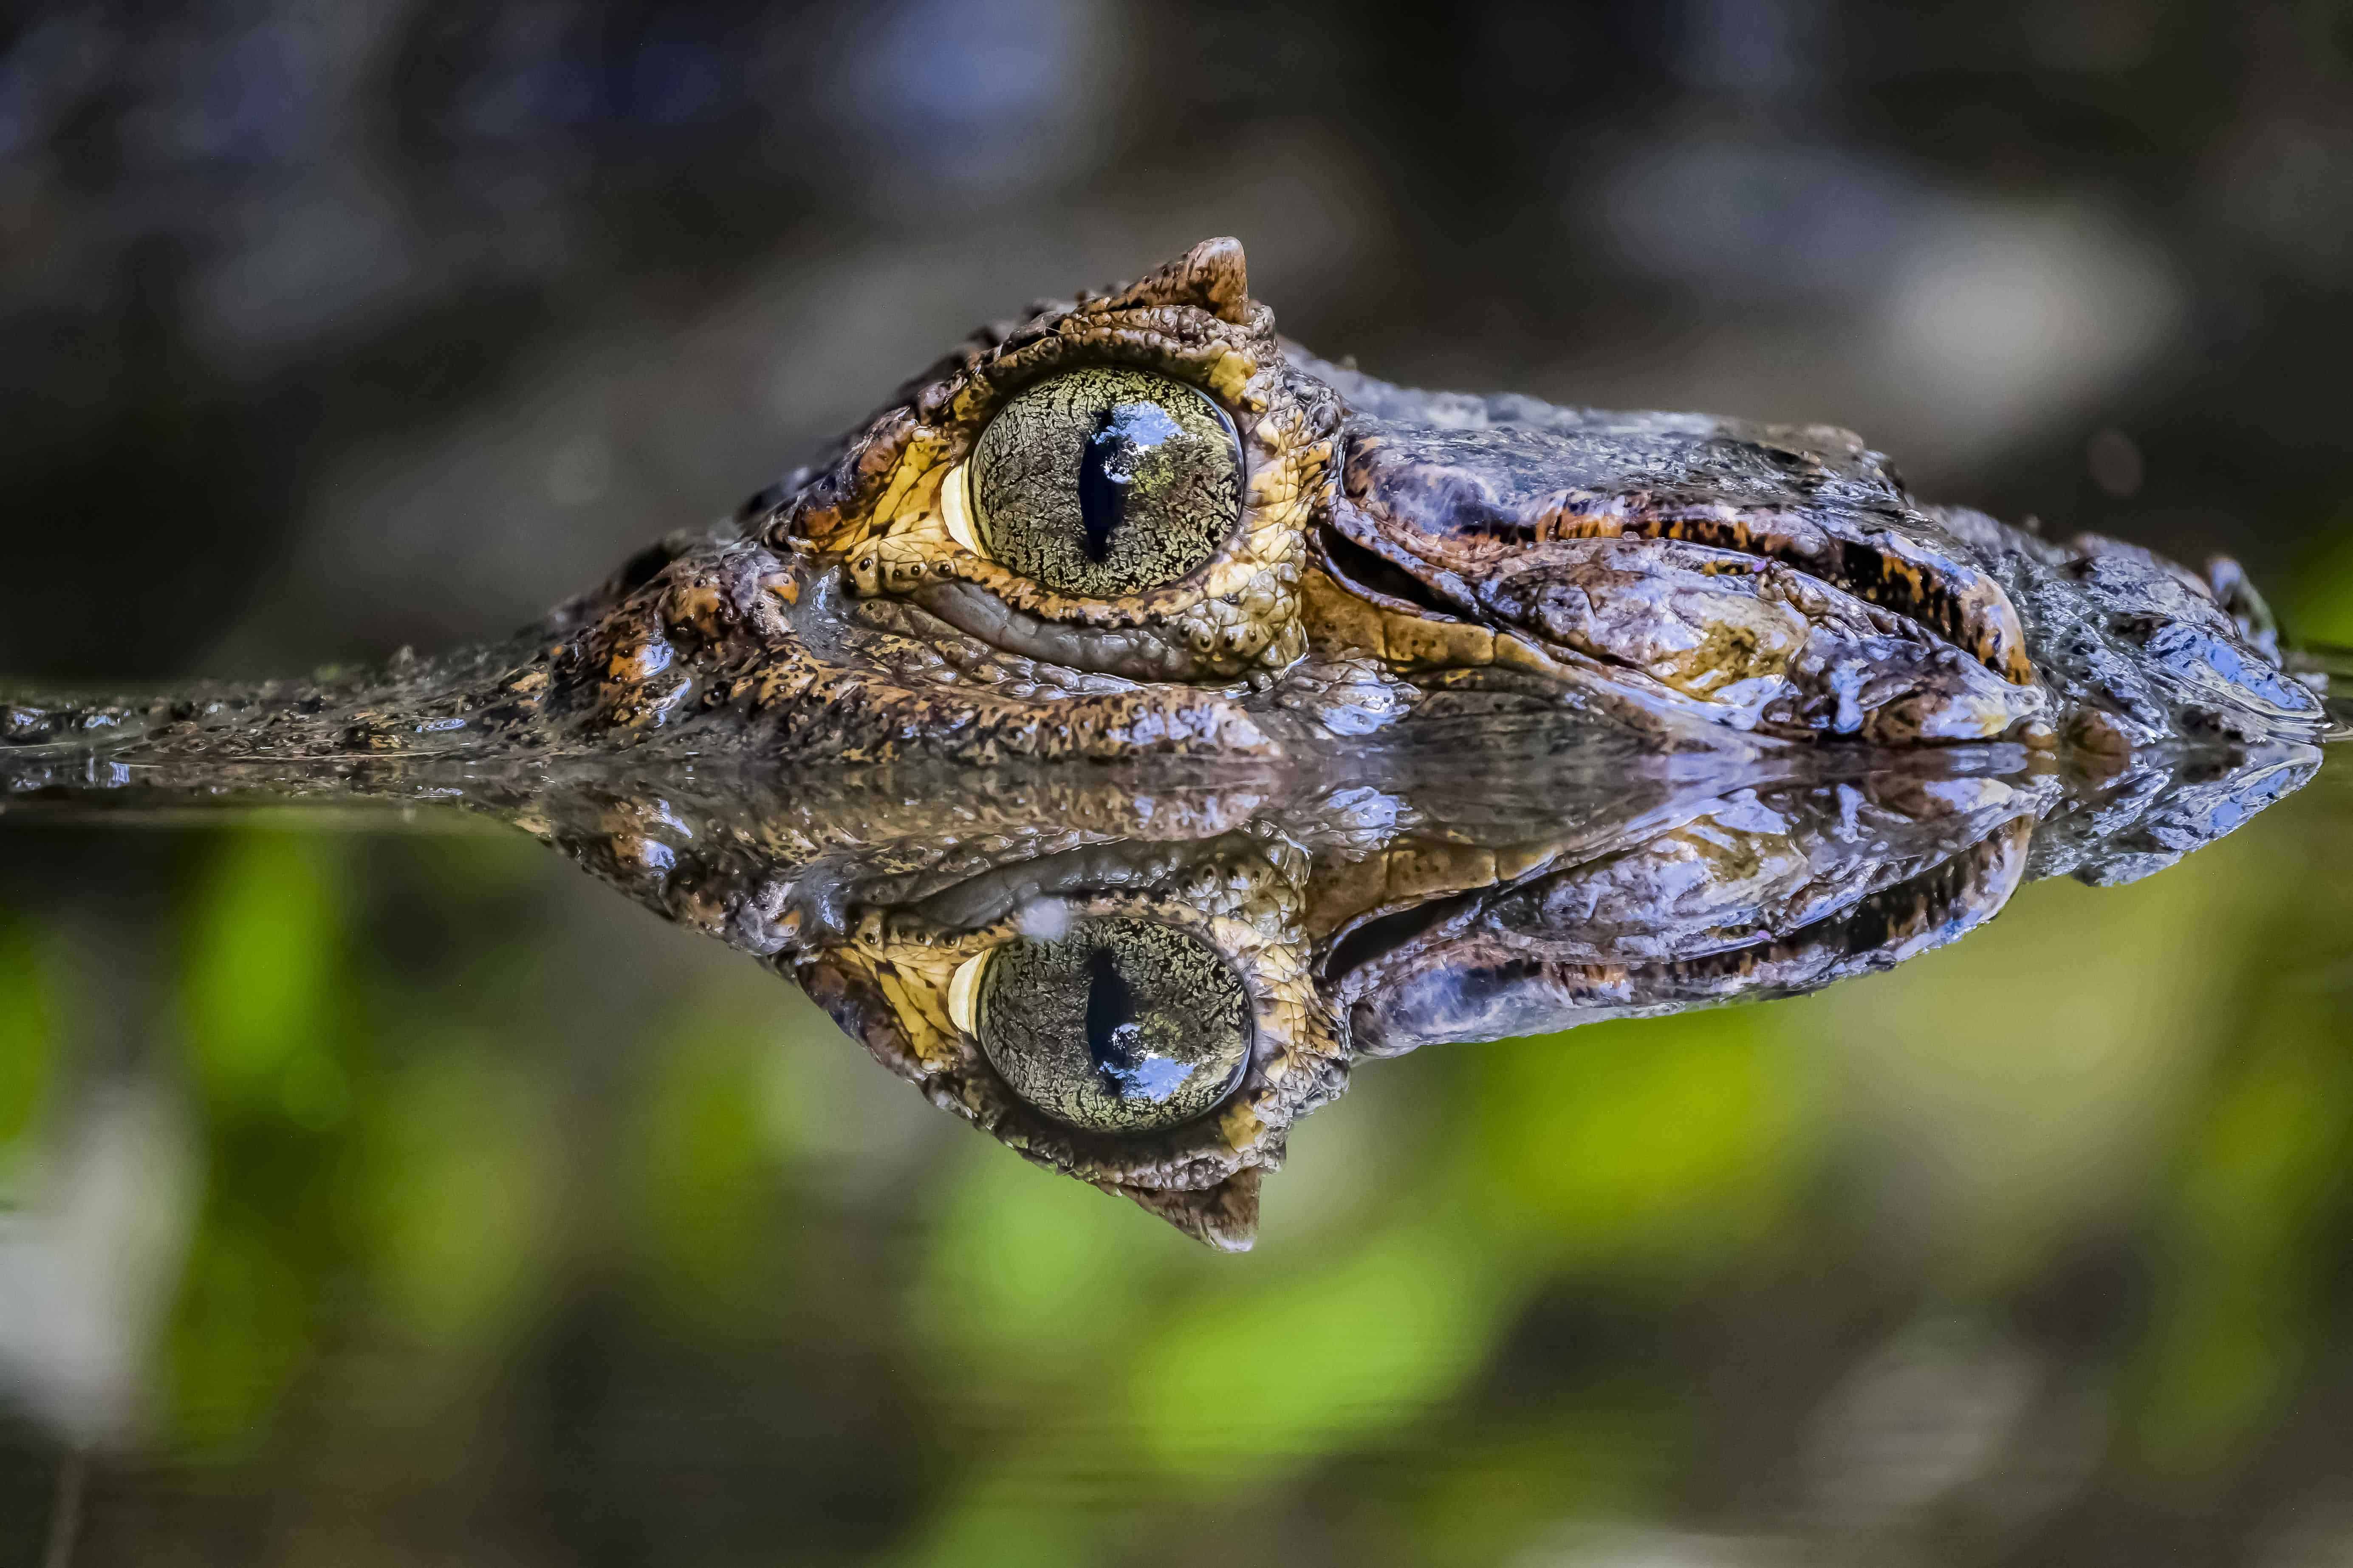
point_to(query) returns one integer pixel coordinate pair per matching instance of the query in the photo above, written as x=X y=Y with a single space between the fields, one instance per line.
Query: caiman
x=1142 y=523
x=1426 y=717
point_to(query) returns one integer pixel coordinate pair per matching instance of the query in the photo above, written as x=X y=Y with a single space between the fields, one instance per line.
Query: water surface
x=383 y=1189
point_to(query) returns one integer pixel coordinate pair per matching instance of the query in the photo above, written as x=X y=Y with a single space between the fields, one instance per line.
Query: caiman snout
x=1670 y=568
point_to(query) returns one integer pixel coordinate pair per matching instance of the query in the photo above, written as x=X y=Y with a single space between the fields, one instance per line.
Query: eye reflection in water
x=1123 y=1025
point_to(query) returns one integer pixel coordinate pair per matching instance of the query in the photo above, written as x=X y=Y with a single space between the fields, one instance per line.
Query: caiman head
x=1143 y=523
x=1144 y=979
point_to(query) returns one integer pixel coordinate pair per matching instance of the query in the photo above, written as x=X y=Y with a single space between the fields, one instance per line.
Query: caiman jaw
x=1526 y=559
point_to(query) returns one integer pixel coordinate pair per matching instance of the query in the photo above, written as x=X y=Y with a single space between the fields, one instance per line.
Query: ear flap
x=1212 y=276
x=1225 y=1215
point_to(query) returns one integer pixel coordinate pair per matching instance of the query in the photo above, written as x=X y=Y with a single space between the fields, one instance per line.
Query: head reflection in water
x=1144 y=979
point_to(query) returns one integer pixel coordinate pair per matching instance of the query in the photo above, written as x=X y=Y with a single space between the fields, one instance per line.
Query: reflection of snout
x=1666 y=928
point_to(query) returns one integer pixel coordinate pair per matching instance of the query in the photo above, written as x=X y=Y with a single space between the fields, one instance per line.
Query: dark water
x=382 y=1190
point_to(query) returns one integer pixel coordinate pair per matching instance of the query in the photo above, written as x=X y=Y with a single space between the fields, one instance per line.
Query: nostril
x=1378 y=579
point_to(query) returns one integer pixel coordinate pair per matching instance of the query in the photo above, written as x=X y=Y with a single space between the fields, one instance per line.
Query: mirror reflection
x=1144 y=979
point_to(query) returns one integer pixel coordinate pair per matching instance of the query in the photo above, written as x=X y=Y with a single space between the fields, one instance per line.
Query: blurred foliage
x=1640 y=1146
x=2254 y=1226
x=264 y=1010
x=261 y=983
x=28 y=1041
x=2321 y=606
x=709 y=1172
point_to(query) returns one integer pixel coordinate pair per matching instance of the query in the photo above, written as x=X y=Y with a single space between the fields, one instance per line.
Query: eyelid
x=955 y=509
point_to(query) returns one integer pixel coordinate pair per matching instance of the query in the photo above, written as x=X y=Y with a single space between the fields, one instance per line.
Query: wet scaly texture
x=1400 y=569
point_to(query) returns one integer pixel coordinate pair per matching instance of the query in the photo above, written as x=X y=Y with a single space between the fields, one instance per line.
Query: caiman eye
x=1119 y=1025
x=1106 y=482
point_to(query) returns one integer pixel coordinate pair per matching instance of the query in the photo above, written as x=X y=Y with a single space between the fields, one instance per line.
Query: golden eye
x=1119 y=1025
x=1106 y=482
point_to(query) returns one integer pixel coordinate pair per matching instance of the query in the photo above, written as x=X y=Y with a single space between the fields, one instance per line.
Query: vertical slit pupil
x=1110 y=1016
x=1102 y=485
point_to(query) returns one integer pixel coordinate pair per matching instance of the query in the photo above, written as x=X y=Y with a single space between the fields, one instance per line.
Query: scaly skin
x=1407 y=567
